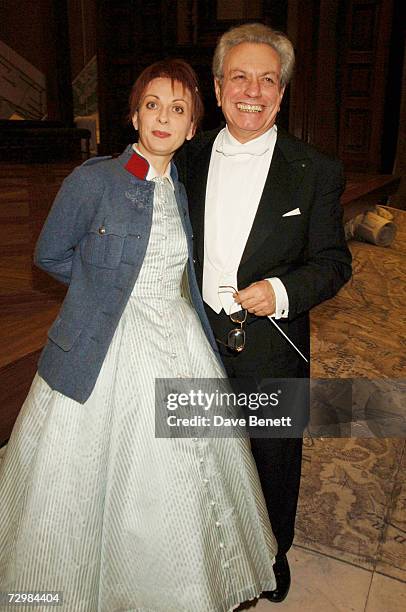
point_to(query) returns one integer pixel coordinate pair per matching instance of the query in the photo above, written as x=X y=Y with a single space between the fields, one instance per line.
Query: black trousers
x=278 y=460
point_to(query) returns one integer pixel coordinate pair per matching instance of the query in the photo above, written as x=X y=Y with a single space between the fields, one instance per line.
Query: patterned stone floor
x=361 y=332
x=349 y=553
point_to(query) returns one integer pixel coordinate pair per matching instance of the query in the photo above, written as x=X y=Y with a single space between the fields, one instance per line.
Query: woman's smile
x=160 y=134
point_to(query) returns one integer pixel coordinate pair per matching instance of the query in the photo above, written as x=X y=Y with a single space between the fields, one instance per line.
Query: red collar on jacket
x=138 y=166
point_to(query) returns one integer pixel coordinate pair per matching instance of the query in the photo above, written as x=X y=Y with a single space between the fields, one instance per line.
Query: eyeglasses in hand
x=236 y=336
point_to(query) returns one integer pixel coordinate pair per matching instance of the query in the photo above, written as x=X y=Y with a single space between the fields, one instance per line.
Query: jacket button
x=102 y=230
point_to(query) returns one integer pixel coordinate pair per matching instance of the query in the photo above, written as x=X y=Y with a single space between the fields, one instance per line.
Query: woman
x=92 y=504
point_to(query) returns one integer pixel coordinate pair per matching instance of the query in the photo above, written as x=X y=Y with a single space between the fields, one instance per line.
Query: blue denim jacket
x=94 y=240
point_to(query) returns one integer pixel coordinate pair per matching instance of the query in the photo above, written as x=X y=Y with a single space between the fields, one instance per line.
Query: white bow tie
x=242 y=149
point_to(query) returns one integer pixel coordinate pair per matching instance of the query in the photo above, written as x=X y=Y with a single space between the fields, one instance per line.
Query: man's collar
x=292 y=148
x=227 y=144
x=259 y=140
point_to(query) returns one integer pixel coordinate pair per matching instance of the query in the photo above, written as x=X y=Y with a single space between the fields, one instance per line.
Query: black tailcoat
x=308 y=252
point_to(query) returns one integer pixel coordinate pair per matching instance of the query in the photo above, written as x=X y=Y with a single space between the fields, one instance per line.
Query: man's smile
x=249 y=108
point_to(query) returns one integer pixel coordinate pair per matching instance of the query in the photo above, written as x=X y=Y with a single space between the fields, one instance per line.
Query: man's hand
x=258 y=298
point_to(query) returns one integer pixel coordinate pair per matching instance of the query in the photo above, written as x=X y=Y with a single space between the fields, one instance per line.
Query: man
x=267 y=221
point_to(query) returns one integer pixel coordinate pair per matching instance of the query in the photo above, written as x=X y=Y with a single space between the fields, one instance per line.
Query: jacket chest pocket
x=103 y=245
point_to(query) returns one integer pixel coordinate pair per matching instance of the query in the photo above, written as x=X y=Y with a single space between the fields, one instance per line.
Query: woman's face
x=163 y=119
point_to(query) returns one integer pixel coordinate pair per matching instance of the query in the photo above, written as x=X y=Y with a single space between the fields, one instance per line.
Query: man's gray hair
x=255 y=33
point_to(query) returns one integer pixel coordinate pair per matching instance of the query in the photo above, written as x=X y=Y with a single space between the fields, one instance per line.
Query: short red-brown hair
x=176 y=70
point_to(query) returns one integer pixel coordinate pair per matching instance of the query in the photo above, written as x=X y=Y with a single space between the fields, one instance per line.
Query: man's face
x=250 y=94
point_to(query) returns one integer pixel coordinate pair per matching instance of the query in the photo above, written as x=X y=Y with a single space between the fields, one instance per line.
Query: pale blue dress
x=92 y=504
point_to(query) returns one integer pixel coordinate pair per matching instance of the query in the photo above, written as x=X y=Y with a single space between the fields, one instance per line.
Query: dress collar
x=137 y=165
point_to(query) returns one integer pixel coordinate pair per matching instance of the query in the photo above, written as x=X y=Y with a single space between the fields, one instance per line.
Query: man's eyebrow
x=262 y=73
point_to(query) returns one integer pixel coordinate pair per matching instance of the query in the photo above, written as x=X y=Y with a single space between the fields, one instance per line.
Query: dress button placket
x=217 y=523
x=218 y=520
x=161 y=260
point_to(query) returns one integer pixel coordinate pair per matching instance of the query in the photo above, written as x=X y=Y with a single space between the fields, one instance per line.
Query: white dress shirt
x=236 y=179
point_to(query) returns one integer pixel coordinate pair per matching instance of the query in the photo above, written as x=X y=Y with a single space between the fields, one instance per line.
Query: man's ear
x=217 y=89
x=135 y=120
x=281 y=95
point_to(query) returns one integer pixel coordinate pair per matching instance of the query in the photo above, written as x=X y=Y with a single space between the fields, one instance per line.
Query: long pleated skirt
x=94 y=506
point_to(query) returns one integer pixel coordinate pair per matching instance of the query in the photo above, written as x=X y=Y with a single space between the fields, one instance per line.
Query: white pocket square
x=291 y=213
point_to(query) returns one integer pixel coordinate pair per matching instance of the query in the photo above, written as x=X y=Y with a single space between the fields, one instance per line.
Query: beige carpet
x=352 y=503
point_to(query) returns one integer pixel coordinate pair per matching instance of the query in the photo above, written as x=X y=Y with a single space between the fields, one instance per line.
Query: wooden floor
x=29 y=299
